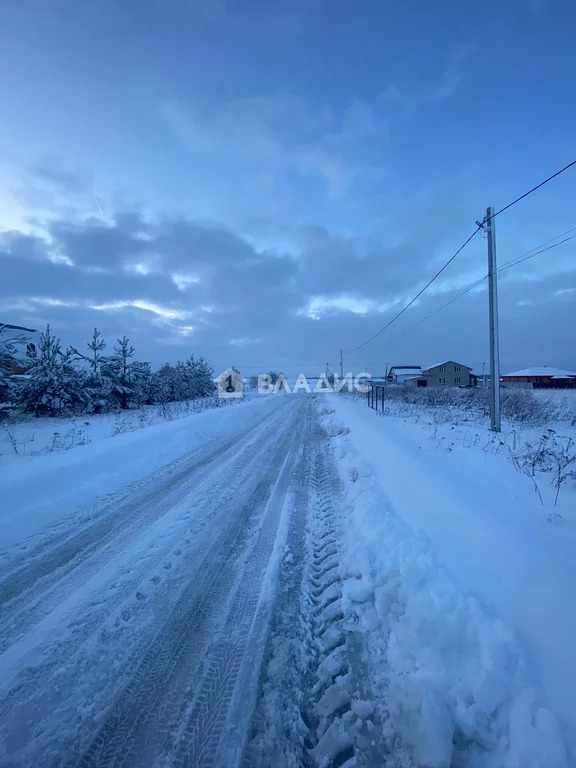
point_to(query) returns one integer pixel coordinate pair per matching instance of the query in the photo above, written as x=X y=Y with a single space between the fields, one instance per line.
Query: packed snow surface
x=293 y=581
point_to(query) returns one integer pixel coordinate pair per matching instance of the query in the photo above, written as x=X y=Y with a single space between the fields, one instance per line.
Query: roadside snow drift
x=453 y=677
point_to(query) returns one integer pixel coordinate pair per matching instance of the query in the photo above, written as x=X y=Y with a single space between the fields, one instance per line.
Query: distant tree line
x=60 y=382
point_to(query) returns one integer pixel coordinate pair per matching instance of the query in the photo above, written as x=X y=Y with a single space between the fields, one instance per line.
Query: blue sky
x=264 y=182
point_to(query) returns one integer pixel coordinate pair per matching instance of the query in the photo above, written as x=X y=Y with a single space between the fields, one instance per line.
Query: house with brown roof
x=542 y=377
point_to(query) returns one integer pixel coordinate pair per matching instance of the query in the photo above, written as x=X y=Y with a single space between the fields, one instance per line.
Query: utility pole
x=341 y=367
x=494 y=341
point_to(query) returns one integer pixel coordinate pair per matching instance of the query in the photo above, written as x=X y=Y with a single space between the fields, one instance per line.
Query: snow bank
x=333 y=426
x=457 y=684
x=38 y=436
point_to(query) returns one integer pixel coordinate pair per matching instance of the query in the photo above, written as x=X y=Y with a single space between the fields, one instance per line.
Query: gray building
x=449 y=374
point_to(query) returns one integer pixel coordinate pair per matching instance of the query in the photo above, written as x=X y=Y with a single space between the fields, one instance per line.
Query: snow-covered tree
x=52 y=387
x=121 y=372
x=97 y=384
x=141 y=375
x=200 y=377
x=162 y=384
x=10 y=346
x=183 y=381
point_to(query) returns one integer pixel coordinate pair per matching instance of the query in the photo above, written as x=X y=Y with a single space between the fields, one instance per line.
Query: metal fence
x=375 y=397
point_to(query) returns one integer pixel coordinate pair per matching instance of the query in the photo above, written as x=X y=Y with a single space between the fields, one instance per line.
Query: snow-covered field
x=293 y=581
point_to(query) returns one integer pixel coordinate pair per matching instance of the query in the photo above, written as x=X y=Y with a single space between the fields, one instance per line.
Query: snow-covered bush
x=522 y=405
x=517 y=405
x=183 y=381
x=52 y=387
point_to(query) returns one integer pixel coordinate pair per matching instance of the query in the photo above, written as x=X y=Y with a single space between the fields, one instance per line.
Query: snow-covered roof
x=407 y=371
x=445 y=362
x=544 y=370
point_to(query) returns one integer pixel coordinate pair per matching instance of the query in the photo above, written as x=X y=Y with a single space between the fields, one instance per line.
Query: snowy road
x=138 y=634
x=240 y=589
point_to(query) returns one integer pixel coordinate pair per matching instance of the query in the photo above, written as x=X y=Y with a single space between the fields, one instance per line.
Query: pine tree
x=161 y=385
x=122 y=372
x=52 y=386
x=98 y=385
x=141 y=374
x=9 y=349
x=200 y=377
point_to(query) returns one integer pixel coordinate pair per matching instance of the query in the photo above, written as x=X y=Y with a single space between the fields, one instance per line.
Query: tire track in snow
x=25 y=594
x=314 y=705
x=70 y=680
x=281 y=700
x=221 y=713
x=165 y=692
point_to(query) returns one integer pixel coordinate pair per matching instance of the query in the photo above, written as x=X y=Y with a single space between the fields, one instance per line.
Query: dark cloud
x=29 y=271
x=22 y=246
x=178 y=286
x=96 y=244
x=164 y=281
x=188 y=245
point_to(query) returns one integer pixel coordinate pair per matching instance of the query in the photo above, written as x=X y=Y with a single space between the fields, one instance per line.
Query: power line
x=440 y=308
x=554 y=175
x=531 y=256
x=513 y=262
x=451 y=259
x=428 y=284
x=537 y=247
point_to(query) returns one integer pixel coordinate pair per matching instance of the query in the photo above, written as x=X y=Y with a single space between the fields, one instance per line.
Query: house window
x=456 y=367
x=442 y=381
x=457 y=380
x=441 y=369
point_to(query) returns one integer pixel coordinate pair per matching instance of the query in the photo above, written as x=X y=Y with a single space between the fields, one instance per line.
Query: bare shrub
x=517 y=405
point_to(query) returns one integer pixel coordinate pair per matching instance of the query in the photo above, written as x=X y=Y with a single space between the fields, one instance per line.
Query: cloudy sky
x=264 y=182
